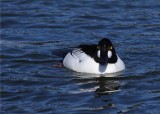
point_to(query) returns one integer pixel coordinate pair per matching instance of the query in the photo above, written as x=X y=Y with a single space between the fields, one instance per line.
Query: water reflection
x=106 y=86
x=103 y=83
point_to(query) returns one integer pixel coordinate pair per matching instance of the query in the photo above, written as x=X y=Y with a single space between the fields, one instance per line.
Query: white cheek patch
x=109 y=54
x=98 y=53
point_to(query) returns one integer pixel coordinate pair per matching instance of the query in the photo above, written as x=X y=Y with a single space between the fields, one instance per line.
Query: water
x=34 y=35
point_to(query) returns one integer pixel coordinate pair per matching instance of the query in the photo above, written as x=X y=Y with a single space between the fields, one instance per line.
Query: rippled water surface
x=36 y=33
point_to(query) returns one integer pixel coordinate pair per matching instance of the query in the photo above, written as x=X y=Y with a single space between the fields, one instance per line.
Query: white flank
x=80 y=62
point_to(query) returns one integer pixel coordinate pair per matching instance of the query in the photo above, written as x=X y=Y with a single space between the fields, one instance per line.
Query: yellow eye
x=98 y=47
x=110 y=48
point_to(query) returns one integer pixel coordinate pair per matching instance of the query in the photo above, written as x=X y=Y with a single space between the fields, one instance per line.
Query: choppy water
x=35 y=32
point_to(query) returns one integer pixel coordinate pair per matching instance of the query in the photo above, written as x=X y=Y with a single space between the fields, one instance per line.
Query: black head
x=106 y=52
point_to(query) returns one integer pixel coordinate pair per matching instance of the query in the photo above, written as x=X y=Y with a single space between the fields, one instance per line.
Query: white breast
x=80 y=62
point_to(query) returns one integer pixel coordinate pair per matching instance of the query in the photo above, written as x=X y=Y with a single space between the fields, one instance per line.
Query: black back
x=90 y=50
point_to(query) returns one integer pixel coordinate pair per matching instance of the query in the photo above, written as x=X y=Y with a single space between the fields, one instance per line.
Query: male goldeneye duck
x=97 y=59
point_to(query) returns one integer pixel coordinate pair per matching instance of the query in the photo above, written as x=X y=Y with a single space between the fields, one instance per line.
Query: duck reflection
x=105 y=84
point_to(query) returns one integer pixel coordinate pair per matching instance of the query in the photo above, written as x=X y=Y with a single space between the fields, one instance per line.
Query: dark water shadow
x=105 y=83
x=106 y=86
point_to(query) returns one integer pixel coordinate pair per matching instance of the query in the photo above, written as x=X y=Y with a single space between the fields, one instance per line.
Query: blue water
x=36 y=33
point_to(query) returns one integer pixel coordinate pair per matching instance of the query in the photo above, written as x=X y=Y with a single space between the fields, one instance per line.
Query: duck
x=98 y=58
